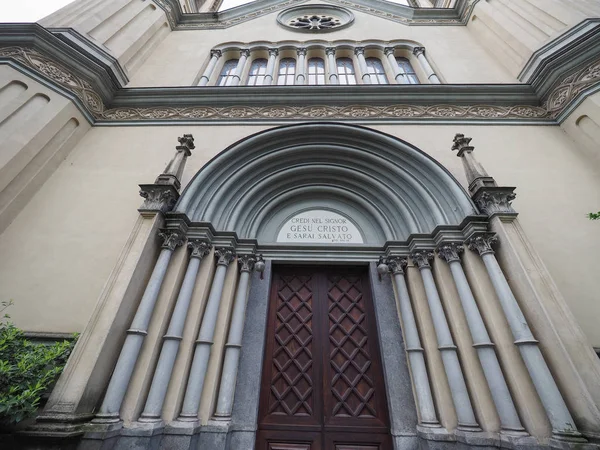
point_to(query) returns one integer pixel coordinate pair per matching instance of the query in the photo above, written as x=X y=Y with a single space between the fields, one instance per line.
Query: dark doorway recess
x=322 y=384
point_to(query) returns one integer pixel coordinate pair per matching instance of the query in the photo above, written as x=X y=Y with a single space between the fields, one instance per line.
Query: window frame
x=346 y=75
x=227 y=72
x=376 y=70
x=260 y=66
x=289 y=63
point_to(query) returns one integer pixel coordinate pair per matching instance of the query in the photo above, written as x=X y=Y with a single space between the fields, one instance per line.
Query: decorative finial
x=186 y=144
x=461 y=144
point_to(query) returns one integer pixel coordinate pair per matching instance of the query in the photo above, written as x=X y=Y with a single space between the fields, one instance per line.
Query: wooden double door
x=322 y=384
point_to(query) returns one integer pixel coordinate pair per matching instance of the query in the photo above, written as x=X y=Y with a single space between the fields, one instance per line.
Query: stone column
x=109 y=410
x=362 y=65
x=193 y=393
x=398 y=73
x=214 y=58
x=419 y=52
x=234 y=339
x=268 y=80
x=244 y=54
x=301 y=66
x=509 y=418
x=458 y=387
x=333 y=75
x=170 y=347
x=563 y=426
x=414 y=349
x=174 y=170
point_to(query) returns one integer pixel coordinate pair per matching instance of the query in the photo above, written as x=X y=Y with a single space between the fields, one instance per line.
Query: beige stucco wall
x=453 y=50
x=60 y=249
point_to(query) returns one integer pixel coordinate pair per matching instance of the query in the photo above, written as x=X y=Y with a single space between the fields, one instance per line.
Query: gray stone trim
x=456 y=16
x=48 y=336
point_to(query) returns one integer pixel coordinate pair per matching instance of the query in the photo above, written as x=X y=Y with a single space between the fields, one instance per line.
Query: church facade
x=307 y=225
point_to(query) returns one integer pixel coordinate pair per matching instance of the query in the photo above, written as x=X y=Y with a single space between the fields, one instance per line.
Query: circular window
x=315 y=18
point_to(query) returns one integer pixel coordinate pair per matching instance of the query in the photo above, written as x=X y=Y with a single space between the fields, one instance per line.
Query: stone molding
x=570 y=89
x=457 y=16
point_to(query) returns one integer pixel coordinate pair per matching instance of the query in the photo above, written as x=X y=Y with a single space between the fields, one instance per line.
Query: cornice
x=407 y=15
x=87 y=75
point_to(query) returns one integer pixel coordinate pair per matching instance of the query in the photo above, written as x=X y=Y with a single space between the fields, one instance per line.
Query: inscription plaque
x=319 y=226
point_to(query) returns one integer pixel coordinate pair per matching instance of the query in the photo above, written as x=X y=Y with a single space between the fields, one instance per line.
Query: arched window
x=375 y=69
x=345 y=70
x=227 y=73
x=258 y=70
x=316 y=71
x=407 y=68
x=287 y=72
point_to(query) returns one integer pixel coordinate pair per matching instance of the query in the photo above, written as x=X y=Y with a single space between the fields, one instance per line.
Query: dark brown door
x=322 y=385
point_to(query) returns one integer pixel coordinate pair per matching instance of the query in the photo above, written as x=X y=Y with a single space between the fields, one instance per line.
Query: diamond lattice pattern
x=351 y=373
x=291 y=384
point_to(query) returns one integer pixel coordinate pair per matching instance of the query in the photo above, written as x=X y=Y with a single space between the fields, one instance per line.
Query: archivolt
x=388 y=187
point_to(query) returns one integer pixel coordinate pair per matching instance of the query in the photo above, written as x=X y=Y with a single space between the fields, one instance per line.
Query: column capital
x=171 y=239
x=158 y=197
x=246 y=262
x=186 y=144
x=450 y=251
x=224 y=256
x=273 y=51
x=200 y=248
x=245 y=52
x=301 y=51
x=482 y=243
x=417 y=51
x=217 y=53
x=422 y=257
x=492 y=200
x=359 y=51
x=389 y=51
x=397 y=264
x=461 y=144
x=330 y=51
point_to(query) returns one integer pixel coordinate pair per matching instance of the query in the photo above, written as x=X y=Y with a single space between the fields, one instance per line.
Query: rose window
x=315 y=22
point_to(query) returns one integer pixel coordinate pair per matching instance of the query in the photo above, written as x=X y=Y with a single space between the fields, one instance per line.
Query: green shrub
x=27 y=370
x=594 y=216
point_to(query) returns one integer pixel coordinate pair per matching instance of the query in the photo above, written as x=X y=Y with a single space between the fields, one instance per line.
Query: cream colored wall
x=59 y=251
x=583 y=127
x=453 y=51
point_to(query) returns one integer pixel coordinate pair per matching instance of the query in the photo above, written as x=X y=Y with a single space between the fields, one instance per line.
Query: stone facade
x=481 y=261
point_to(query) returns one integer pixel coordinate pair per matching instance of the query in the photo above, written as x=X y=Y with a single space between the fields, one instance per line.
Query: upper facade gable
x=179 y=20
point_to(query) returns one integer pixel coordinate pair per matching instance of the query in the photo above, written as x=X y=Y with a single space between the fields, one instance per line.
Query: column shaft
x=268 y=80
x=458 y=387
x=193 y=393
x=205 y=78
x=109 y=410
x=415 y=352
x=362 y=65
x=232 y=348
x=545 y=385
x=240 y=67
x=168 y=354
x=301 y=66
x=333 y=75
x=419 y=52
x=509 y=418
x=398 y=73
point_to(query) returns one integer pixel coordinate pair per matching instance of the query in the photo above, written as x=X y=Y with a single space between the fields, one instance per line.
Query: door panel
x=322 y=385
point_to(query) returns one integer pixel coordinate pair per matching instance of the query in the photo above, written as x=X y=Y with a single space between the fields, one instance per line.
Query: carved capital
x=359 y=51
x=495 y=200
x=397 y=264
x=482 y=244
x=418 y=51
x=245 y=52
x=158 y=197
x=451 y=251
x=186 y=144
x=422 y=257
x=273 y=51
x=461 y=144
x=246 y=262
x=199 y=247
x=301 y=51
x=224 y=256
x=330 y=51
x=389 y=51
x=217 y=53
x=171 y=239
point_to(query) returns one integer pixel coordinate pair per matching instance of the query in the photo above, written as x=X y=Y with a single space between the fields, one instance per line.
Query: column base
x=102 y=430
x=477 y=437
x=146 y=429
x=106 y=418
x=438 y=433
x=517 y=439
